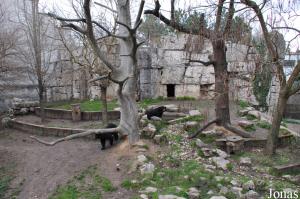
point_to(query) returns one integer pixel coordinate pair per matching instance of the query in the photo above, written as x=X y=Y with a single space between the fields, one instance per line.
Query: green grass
x=87 y=105
x=88 y=184
x=186 y=98
x=6 y=175
x=291 y=121
x=147 y=102
x=243 y=104
x=264 y=125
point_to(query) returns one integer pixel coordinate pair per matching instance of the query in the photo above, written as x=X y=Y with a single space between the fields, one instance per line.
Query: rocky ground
x=164 y=165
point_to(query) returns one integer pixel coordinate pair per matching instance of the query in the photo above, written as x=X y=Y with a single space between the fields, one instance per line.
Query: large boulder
x=147 y=168
x=172 y=107
x=255 y=114
x=194 y=113
x=149 y=131
x=220 y=162
x=245 y=124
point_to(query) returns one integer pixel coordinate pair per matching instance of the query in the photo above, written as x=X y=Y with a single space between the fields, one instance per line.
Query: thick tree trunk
x=221 y=83
x=104 y=105
x=277 y=116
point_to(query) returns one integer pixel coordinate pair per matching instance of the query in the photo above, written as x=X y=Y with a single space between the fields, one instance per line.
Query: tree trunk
x=104 y=105
x=127 y=70
x=277 y=116
x=221 y=83
x=42 y=103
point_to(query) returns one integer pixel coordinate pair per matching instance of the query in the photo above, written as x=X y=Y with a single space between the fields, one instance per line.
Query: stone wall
x=165 y=64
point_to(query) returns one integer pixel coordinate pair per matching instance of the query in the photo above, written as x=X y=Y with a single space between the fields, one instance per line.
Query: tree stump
x=234 y=144
x=76 y=112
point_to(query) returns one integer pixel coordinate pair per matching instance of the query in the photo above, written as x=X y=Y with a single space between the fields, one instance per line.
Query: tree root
x=77 y=135
x=238 y=131
x=203 y=128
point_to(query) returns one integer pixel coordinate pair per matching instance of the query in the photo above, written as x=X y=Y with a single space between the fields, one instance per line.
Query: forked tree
x=288 y=87
x=125 y=74
x=217 y=35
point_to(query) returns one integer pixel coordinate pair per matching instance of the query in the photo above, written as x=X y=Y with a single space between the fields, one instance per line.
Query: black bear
x=158 y=112
x=112 y=137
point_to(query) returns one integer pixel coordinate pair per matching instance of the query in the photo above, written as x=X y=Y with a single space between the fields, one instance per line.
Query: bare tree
x=217 y=35
x=125 y=75
x=288 y=87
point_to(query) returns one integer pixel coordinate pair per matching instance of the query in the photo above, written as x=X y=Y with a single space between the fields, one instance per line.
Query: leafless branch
x=106 y=7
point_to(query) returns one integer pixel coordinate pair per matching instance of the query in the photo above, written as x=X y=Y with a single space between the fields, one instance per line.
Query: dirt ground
x=40 y=169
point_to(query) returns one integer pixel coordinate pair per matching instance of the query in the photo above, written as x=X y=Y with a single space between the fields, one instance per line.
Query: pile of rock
x=22 y=107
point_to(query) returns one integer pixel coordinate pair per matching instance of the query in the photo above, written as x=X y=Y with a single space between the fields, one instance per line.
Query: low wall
x=292 y=111
x=45 y=131
x=85 y=115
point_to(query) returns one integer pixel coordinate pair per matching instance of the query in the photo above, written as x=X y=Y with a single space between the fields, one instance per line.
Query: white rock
x=144 y=117
x=224 y=190
x=255 y=114
x=249 y=185
x=218 y=197
x=210 y=192
x=200 y=144
x=221 y=153
x=251 y=195
x=194 y=113
x=147 y=168
x=141 y=159
x=24 y=110
x=149 y=190
x=212 y=132
x=190 y=124
x=160 y=139
x=235 y=183
x=220 y=162
x=172 y=107
x=237 y=191
x=154 y=118
x=149 y=130
x=144 y=196
x=169 y=197
x=117 y=109
x=245 y=123
x=245 y=161
x=193 y=193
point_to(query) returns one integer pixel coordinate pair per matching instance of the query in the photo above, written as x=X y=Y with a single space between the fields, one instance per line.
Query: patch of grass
x=243 y=104
x=106 y=185
x=249 y=128
x=197 y=118
x=87 y=105
x=88 y=184
x=128 y=184
x=251 y=117
x=264 y=125
x=6 y=175
x=185 y=98
x=291 y=121
x=149 y=101
x=159 y=125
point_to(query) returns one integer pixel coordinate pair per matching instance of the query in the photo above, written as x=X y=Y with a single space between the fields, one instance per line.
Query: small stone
x=172 y=108
x=160 y=139
x=141 y=159
x=207 y=152
x=255 y=114
x=243 y=112
x=224 y=190
x=218 y=197
x=144 y=117
x=221 y=153
x=193 y=193
x=147 y=168
x=149 y=130
x=212 y=132
x=143 y=196
x=220 y=162
x=245 y=123
x=245 y=161
x=219 y=178
x=154 y=118
x=210 y=192
x=169 y=197
x=200 y=144
x=235 y=183
x=190 y=124
x=149 y=190
x=24 y=111
x=251 y=195
x=237 y=191
x=194 y=113
x=249 y=185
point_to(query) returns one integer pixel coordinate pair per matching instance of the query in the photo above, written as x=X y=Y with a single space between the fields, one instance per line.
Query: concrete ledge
x=45 y=131
x=85 y=115
x=257 y=143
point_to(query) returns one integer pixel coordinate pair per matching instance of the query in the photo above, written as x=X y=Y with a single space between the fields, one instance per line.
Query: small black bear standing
x=112 y=137
x=158 y=112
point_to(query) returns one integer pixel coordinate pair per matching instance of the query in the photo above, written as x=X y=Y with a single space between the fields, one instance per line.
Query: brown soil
x=40 y=169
